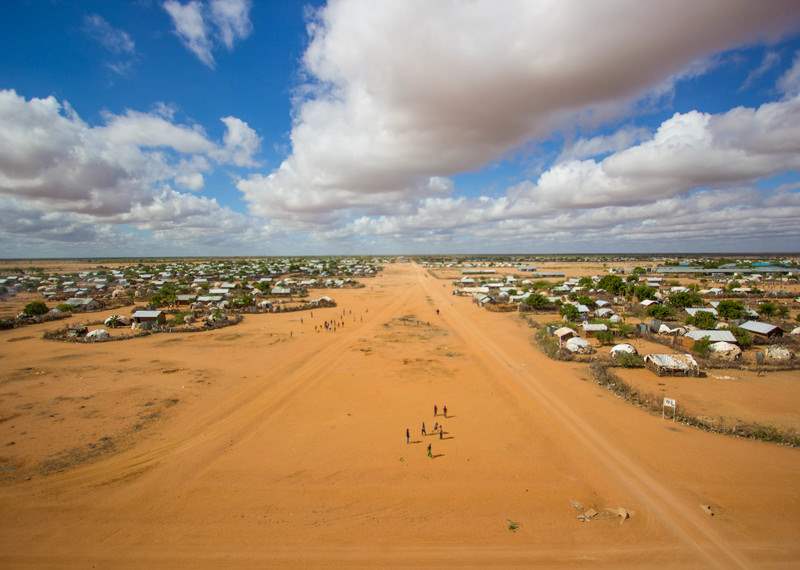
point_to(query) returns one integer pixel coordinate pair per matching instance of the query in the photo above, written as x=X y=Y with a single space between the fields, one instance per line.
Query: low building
x=712 y=335
x=763 y=330
x=148 y=317
x=564 y=333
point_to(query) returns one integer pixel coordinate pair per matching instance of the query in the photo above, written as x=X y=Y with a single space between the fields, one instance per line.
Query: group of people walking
x=438 y=429
x=333 y=324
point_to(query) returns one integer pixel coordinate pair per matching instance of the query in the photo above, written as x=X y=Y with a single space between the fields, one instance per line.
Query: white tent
x=579 y=345
x=725 y=350
x=623 y=348
x=98 y=334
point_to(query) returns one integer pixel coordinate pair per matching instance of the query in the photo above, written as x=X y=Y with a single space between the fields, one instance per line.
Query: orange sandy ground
x=275 y=446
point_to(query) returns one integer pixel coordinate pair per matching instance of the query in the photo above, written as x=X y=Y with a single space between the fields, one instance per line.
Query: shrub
x=35 y=308
x=179 y=318
x=605 y=337
x=743 y=337
x=611 y=283
x=702 y=347
x=683 y=299
x=570 y=311
x=661 y=312
x=628 y=360
x=703 y=320
x=730 y=309
x=64 y=307
x=768 y=309
x=644 y=292
x=624 y=329
x=537 y=301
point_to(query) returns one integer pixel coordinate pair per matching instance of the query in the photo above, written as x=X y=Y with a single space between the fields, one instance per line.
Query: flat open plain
x=268 y=444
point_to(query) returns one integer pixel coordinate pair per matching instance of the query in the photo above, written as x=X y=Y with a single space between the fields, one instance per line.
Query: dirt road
x=299 y=457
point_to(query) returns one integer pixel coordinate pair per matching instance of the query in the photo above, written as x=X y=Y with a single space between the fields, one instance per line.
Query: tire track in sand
x=232 y=420
x=678 y=517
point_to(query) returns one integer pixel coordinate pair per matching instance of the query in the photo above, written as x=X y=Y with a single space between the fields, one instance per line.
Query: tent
x=579 y=345
x=725 y=350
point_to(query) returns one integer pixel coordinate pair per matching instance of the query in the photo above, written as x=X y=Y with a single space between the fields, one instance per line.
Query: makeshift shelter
x=98 y=334
x=564 y=333
x=594 y=328
x=778 y=354
x=672 y=364
x=623 y=348
x=665 y=329
x=725 y=350
x=578 y=345
x=117 y=321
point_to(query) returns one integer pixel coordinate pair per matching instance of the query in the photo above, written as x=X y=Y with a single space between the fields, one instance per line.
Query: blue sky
x=355 y=126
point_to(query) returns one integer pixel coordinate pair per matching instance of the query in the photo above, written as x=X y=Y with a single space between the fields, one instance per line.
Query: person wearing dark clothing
x=408 y=436
x=444 y=409
x=435 y=410
x=423 y=429
x=430 y=451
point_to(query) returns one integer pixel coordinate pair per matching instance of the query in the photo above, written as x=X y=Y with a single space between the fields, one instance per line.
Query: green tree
x=605 y=337
x=768 y=309
x=611 y=283
x=639 y=271
x=570 y=311
x=743 y=337
x=681 y=299
x=702 y=347
x=35 y=308
x=644 y=292
x=586 y=282
x=731 y=309
x=703 y=319
x=661 y=312
x=64 y=307
x=537 y=301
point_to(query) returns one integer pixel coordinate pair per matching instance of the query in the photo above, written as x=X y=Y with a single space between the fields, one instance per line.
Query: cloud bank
x=378 y=127
x=63 y=179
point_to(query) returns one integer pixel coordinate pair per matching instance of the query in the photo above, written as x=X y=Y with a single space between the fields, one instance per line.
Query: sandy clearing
x=295 y=456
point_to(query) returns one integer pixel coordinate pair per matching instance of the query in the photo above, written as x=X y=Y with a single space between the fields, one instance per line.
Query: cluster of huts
x=606 y=310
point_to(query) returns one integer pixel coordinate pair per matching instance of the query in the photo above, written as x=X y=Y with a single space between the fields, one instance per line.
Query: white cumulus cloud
x=376 y=123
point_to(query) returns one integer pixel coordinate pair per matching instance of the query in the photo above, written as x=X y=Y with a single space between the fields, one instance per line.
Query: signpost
x=669 y=403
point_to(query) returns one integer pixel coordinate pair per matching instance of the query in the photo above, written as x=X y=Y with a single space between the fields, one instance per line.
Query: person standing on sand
x=444 y=409
x=423 y=429
x=441 y=432
x=408 y=436
x=435 y=410
x=430 y=451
